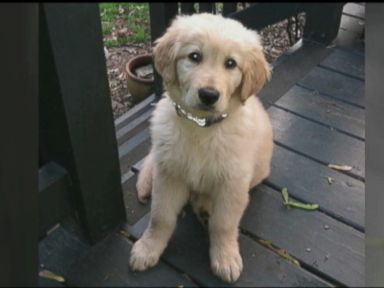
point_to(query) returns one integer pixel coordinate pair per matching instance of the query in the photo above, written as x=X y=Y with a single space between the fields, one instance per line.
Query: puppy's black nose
x=208 y=96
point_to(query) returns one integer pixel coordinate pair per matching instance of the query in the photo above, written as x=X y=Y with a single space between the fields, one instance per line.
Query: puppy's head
x=210 y=64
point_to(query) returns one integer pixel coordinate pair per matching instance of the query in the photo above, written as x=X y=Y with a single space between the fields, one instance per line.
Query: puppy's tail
x=144 y=181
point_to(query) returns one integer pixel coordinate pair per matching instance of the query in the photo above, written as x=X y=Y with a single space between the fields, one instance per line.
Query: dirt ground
x=275 y=38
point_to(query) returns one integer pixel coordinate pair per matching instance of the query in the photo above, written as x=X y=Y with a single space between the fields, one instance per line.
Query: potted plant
x=140 y=79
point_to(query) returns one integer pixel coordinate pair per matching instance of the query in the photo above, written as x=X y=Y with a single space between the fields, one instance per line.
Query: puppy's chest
x=202 y=160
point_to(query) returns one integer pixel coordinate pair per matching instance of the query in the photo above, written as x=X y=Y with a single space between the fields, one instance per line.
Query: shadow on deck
x=316 y=104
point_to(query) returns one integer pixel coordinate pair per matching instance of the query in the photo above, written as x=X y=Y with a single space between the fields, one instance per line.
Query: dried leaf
x=122 y=32
x=330 y=180
x=340 y=167
x=52 y=276
x=281 y=252
x=124 y=233
x=265 y=243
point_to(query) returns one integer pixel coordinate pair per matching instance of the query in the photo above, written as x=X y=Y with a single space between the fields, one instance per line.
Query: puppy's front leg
x=168 y=198
x=228 y=208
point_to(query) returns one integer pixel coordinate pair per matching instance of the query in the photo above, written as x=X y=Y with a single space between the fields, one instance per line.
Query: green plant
x=131 y=18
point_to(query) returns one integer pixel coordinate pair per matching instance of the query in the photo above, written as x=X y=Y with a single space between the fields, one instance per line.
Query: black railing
x=79 y=163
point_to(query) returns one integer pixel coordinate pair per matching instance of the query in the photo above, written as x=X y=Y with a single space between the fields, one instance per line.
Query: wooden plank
x=19 y=144
x=318 y=142
x=134 y=150
x=324 y=110
x=131 y=113
x=336 y=85
x=134 y=209
x=54 y=197
x=60 y=250
x=44 y=282
x=137 y=166
x=352 y=24
x=355 y=10
x=92 y=160
x=350 y=42
x=188 y=250
x=134 y=141
x=297 y=64
x=346 y=63
x=337 y=252
x=140 y=122
x=343 y=199
x=106 y=265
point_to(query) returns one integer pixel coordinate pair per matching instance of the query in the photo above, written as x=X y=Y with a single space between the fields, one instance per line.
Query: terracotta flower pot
x=140 y=88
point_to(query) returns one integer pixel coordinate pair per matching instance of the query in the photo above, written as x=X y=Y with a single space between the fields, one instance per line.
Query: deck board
x=347 y=63
x=318 y=142
x=346 y=40
x=324 y=110
x=335 y=85
x=296 y=230
x=189 y=250
x=352 y=24
x=134 y=150
x=355 y=10
x=134 y=209
x=307 y=180
x=137 y=124
x=107 y=266
x=59 y=251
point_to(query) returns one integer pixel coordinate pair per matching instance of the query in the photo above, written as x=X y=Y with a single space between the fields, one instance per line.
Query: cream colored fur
x=213 y=167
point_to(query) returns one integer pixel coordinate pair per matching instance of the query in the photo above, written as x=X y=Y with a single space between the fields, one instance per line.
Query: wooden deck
x=316 y=104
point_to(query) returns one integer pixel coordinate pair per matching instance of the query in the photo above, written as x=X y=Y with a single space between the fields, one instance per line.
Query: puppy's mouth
x=204 y=107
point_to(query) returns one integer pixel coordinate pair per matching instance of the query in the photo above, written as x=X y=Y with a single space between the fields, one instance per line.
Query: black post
x=76 y=120
x=19 y=145
x=187 y=8
x=323 y=21
x=161 y=15
x=229 y=7
x=205 y=7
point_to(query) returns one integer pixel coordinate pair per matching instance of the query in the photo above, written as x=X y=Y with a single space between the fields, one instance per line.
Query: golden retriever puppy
x=211 y=138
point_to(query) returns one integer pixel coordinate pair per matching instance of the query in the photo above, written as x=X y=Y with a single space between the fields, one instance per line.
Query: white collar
x=200 y=121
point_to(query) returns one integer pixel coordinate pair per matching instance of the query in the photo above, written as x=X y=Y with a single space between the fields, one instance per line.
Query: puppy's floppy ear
x=164 y=54
x=256 y=73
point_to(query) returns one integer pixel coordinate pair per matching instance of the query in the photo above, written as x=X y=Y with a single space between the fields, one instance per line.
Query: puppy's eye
x=230 y=63
x=195 y=57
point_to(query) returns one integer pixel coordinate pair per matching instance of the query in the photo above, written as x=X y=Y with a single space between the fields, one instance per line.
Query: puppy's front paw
x=142 y=256
x=226 y=264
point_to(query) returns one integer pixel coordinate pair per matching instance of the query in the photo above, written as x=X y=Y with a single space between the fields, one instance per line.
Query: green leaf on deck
x=303 y=206
x=285 y=195
x=296 y=204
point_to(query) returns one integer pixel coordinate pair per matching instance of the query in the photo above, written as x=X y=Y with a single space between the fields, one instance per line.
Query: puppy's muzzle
x=208 y=96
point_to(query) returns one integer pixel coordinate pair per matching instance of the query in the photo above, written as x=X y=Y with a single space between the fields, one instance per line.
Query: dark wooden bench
x=89 y=165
